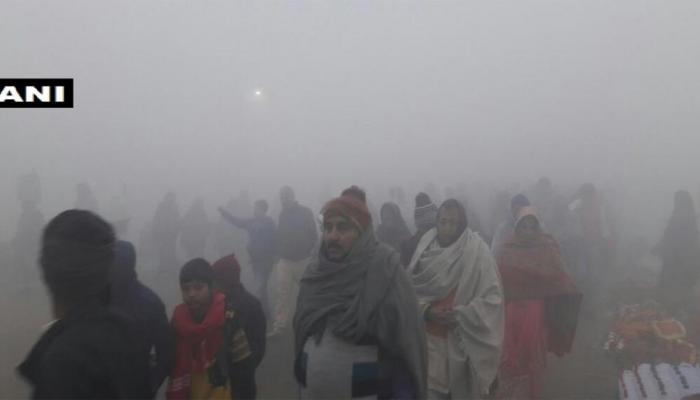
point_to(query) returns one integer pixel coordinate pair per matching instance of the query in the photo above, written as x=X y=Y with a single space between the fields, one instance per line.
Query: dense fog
x=232 y=100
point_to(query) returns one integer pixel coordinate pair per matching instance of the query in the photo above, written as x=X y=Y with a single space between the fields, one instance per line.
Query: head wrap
x=77 y=254
x=197 y=269
x=350 y=205
x=227 y=271
x=457 y=205
x=425 y=213
x=527 y=211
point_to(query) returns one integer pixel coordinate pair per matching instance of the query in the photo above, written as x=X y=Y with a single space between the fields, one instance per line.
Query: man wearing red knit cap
x=357 y=329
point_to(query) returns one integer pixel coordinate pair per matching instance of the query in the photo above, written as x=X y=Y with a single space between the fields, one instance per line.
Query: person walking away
x=297 y=235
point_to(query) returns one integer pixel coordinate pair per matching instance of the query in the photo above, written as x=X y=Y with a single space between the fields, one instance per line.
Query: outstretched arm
x=237 y=222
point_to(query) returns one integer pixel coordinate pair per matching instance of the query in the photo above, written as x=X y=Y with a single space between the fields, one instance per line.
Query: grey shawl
x=474 y=346
x=366 y=295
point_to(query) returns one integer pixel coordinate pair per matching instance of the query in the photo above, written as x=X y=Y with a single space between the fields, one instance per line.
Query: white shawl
x=474 y=346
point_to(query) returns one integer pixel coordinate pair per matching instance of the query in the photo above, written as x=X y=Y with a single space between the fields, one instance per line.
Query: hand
x=446 y=318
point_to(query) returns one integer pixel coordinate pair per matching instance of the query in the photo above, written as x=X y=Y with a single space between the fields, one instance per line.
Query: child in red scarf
x=198 y=325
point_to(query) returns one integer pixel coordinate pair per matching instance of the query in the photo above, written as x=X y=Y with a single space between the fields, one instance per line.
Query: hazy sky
x=362 y=91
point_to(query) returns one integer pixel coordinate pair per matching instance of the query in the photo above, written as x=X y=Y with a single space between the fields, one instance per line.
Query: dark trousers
x=242 y=376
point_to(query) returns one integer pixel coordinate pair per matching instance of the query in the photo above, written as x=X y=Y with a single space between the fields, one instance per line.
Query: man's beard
x=338 y=253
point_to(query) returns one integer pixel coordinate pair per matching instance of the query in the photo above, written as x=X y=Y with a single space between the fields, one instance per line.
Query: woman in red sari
x=542 y=306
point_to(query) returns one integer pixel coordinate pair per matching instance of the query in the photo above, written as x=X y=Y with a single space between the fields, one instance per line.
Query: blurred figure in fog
x=31 y=221
x=85 y=199
x=262 y=246
x=425 y=217
x=232 y=241
x=542 y=306
x=357 y=329
x=297 y=236
x=431 y=190
x=89 y=351
x=392 y=229
x=244 y=328
x=595 y=236
x=147 y=310
x=506 y=229
x=679 y=250
x=195 y=229
x=224 y=236
x=398 y=196
x=165 y=230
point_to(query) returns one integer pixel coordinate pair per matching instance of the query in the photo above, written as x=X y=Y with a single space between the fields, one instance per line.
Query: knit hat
x=197 y=269
x=425 y=212
x=351 y=205
x=227 y=271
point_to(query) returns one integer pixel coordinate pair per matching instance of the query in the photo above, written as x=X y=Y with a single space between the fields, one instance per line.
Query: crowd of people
x=451 y=308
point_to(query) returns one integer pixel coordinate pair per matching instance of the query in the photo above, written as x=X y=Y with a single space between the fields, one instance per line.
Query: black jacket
x=141 y=304
x=93 y=353
x=248 y=316
x=297 y=232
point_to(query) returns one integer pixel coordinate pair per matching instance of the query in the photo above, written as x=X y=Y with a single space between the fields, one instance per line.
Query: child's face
x=197 y=295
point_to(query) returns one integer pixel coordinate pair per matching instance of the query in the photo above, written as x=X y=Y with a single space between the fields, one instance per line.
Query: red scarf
x=197 y=345
x=535 y=270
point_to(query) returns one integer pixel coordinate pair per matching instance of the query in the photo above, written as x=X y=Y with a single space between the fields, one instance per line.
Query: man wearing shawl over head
x=358 y=333
x=542 y=305
x=460 y=295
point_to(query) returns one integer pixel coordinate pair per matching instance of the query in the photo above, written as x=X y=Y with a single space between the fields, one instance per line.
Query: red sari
x=542 y=305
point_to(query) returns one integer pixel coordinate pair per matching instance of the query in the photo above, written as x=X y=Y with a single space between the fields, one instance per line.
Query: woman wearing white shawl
x=459 y=290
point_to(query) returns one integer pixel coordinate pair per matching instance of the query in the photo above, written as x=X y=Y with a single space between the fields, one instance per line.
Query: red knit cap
x=227 y=271
x=350 y=205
